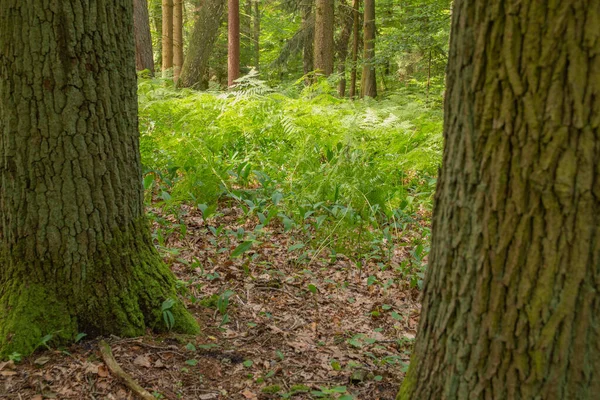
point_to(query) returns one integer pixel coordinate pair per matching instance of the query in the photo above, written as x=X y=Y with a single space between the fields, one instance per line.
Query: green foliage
x=335 y=172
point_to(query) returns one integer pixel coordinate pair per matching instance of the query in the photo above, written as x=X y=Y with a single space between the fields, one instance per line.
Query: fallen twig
x=118 y=372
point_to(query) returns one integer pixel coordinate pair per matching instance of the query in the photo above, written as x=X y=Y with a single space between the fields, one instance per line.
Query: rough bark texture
x=355 y=28
x=167 y=36
x=206 y=30
x=346 y=19
x=323 y=58
x=233 y=41
x=368 y=83
x=144 y=58
x=511 y=307
x=75 y=250
x=308 y=26
x=177 y=38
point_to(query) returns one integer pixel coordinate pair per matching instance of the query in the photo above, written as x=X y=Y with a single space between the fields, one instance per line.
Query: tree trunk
x=75 y=249
x=308 y=48
x=256 y=35
x=167 y=36
x=155 y=8
x=206 y=30
x=368 y=84
x=346 y=18
x=323 y=57
x=144 y=58
x=511 y=306
x=177 y=38
x=233 y=41
x=355 y=26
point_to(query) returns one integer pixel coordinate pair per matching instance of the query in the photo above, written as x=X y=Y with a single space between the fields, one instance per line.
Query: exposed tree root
x=118 y=372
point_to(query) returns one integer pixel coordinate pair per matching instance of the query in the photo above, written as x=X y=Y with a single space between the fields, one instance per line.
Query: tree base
x=120 y=292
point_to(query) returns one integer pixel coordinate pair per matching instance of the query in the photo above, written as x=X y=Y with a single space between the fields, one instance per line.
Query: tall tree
x=368 y=84
x=324 y=27
x=177 y=38
x=256 y=34
x=511 y=306
x=204 y=35
x=355 y=27
x=308 y=29
x=167 y=36
x=233 y=41
x=75 y=249
x=347 y=20
x=144 y=58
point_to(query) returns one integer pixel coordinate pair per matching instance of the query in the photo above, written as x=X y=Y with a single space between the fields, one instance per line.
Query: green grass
x=329 y=169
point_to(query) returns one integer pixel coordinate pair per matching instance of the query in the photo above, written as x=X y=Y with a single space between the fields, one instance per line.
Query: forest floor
x=272 y=327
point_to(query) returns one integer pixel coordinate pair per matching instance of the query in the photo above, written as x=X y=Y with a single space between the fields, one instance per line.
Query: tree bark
x=346 y=19
x=308 y=48
x=167 y=36
x=206 y=30
x=355 y=26
x=256 y=34
x=233 y=41
x=177 y=38
x=75 y=249
x=324 y=44
x=144 y=58
x=511 y=306
x=368 y=84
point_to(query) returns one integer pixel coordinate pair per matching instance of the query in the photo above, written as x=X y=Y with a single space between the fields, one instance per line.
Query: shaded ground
x=274 y=326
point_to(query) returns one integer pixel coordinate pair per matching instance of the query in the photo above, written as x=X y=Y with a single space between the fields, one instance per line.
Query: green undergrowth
x=340 y=173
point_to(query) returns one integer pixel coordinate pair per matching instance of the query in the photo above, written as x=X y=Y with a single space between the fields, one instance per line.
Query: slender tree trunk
x=511 y=306
x=346 y=18
x=368 y=85
x=167 y=36
x=156 y=15
x=204 y=35
x=177 y=38
x=75 y=249
x=324 y=24
x=308 y=48
x=355 y=26
x=256 y=35
x=144 y=58
x=233 y=41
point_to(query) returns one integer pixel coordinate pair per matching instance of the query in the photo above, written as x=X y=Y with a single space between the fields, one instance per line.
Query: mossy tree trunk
x=144 y=57
x=368 y=83
x=204 y=35
x=323 y=48
x=511 y=306
x=75 y=250
x=256 y=33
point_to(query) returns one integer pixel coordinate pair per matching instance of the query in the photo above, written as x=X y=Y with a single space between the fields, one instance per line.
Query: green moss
x=271 y=389
x=121 y=293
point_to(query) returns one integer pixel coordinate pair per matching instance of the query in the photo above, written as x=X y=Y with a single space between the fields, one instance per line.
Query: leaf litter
x=272 y=327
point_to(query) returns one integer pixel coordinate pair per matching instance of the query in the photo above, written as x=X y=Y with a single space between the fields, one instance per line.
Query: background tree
x=368 y=84
x=510 y=303
x=256 y=33
x=177 y=38
x=346 y=21
x=167 y=36
x=75 y=249
x=144 y=57
x=324 y=27
x=308 y=26
x=233 y=41
x=206 y=30
x=355 y=29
